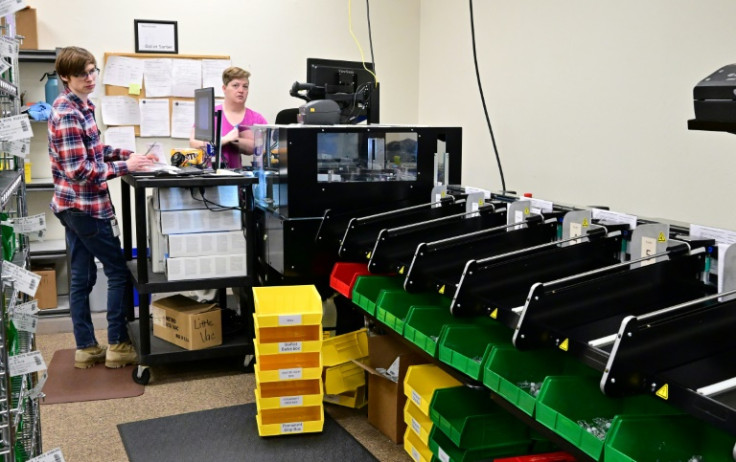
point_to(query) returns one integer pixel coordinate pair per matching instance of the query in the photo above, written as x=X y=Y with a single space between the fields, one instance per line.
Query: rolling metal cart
x=151 y=350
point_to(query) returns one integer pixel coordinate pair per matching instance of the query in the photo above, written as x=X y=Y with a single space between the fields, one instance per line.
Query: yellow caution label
x=402 y=269
x=481 y=202
x=311 y=109
x=663 y=392
x=368 y=255
x=442 y=289
x=661 y=238
x=526 y=210
x=494 y=314
x=565 y=345
x=585 y=223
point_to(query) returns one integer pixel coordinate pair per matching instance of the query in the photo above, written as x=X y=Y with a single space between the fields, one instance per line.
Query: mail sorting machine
x=312 y=177
x=637 y=305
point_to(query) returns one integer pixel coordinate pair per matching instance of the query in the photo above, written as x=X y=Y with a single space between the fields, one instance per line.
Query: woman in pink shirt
x=237 y=138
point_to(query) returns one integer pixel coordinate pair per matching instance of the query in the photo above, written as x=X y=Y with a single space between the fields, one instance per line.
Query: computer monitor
x=207 y=121
x=204 y=114
x=349 y=84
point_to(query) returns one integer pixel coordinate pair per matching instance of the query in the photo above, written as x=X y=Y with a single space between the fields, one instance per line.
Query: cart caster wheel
x=141 y=375
x=249 y=364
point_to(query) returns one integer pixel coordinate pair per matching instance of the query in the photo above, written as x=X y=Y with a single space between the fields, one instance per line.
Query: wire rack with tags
x=20 y=364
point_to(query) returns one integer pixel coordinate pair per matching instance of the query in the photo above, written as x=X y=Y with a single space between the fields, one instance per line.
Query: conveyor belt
x=496 y=285
x=395 y=247
x=572 y=313
x=684 y=354
x=437 y=266
x=361 y=233
x=334 y=222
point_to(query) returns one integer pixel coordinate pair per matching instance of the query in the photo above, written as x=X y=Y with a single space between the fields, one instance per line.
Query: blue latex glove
x=40 y=111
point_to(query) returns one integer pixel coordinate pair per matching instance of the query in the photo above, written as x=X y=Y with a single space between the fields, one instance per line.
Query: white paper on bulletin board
x=154 y=117
x=212 y=74
x=182 y=119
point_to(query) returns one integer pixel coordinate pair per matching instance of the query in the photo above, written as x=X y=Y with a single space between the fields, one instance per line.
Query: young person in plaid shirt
x=81 y=166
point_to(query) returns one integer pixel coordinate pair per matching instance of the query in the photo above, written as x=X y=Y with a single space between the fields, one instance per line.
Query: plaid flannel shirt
x=80 y=163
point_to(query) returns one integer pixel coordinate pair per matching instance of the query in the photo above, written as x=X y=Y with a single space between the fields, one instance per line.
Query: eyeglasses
x=83 y=75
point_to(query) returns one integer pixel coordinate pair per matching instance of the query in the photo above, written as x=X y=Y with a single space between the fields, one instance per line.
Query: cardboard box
x=26 y=25
x=46 y=292
x=386 y=398
x=205 y=267
x=186 y=322
x=198 y=244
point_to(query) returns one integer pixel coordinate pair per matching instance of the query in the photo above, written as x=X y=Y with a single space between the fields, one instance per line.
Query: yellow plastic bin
x=422 y=380
x=418 y=422
x=355 y=399
x=292 y=366
x=290 y=420
x=289 y=393
x=415 y=448
x=287 y=306
x=288 y=339
x=343 y=378
x=342 y=348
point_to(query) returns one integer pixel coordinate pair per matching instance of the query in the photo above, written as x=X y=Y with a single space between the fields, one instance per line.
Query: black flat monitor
x=348 y=83
x=207 y=122
x=204 y=114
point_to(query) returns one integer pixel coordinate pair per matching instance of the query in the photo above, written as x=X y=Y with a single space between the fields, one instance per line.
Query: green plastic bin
x=368 y=288
x=444 y=449
x=471 y=420
x=564 y=401
x=467 y=347
x=393 y=306
x=508 y=367
x=643 y=438
x=424 y=325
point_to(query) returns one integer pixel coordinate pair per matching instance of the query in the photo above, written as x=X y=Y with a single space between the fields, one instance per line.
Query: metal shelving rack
x=20 y=424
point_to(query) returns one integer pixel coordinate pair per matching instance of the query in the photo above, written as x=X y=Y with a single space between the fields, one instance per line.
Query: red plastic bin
x=559 y=456
x=344 y=275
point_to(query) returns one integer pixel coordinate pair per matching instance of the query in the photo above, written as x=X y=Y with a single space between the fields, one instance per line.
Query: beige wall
x=271 y=38
x=589 y=100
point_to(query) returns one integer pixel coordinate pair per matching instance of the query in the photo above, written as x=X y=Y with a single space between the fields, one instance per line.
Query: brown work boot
x=88 y=357
x=120 y=355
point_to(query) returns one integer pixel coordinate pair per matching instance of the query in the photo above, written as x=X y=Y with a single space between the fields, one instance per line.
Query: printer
x=715 y=96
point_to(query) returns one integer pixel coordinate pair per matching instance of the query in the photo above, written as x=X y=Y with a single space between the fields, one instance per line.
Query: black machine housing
x=307 y=172
x=715 y=96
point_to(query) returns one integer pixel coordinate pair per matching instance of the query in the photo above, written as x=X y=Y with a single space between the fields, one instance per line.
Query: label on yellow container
x=292 y=427
x=290 y=347
x=286 y=401
x=289 y=374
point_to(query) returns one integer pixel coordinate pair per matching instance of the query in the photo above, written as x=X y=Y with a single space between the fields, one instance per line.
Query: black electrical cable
x=207 y=203
x=483 y=99
x=370 y=35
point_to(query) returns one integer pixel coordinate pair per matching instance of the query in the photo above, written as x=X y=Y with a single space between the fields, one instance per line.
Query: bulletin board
x=114 y=90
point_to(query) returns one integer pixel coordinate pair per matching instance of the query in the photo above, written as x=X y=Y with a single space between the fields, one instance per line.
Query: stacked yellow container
x=419 y=385
x=344 y=380
x=288 y=369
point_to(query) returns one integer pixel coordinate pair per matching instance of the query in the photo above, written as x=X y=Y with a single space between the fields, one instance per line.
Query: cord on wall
x=483 y=99
x=370 y=33
x=362 y=57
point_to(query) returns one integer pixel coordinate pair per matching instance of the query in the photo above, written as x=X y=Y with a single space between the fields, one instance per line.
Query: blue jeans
x=87 y=238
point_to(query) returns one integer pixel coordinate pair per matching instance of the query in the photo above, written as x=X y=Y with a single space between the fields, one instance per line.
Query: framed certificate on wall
x=156 y=36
